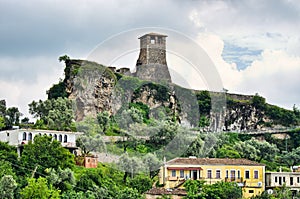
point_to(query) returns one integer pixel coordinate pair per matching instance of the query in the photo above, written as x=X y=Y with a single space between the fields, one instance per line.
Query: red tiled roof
x=213 y=161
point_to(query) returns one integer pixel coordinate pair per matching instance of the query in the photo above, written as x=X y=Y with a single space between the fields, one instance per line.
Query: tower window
x=152 y=40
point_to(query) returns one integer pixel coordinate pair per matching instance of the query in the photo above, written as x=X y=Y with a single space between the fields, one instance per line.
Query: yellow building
x=248 y=174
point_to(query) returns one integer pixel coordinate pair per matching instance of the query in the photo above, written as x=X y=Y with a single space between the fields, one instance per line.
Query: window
x=276 y=179
x=60 y=138
x=226 y=173
x=181 y=173
x=291 y=180
x=239 y=174
x=173 y=173
x=247 y=174
x=255 y=174
x=50 y=134
x=283 y=179
x=30 y=136
x=55 y=136
x=232 y=174
x=209 y=174
x=218 y=174
x=7 y=134
x=298 y=179
x=65 y=138
x=159 y=40
x=152 y=40
x=251 y=191
x=279 y=178
x=24 y=136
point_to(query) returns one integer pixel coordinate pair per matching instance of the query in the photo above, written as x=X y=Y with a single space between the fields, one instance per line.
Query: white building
x=19 y=137
x=278 y=179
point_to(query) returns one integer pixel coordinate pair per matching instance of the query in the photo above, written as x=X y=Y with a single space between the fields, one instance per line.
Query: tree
x=8 y=153
x=227 y=151
x=152 y=163
x=129 y=193
x=13 y=116
x=246 y=150
x=2 y=122
x=264 y=150
x=103 y=119
x=166 y=131
x=6 y=169
x=220 y=190
x=44 y=153
x=89 y=126
x=38 y=189
x=259 y=102
x=89 y=144
x=63 y=180
x=96 y=184
x=25 y=120
x=56 y=114
x=64 y=58
x=291 y=158
x=7 y=187
x=141 y=183
x=57 y=90
x=2 y=107
x=130 y=165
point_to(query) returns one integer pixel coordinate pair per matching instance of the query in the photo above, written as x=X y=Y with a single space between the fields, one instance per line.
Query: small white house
x=19 y=137
x=278 y=179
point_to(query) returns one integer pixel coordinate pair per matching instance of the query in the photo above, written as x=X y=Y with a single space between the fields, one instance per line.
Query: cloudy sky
x=254 y=45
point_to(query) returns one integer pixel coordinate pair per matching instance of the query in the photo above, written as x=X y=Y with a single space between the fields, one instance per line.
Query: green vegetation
x=9 y=117
x=47 y=170
x=55 y=114
x=221 y=190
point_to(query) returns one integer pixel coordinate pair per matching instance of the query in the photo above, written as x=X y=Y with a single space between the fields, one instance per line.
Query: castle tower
x=152 y=64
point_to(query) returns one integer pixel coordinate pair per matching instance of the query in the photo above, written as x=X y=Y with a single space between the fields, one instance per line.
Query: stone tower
x=152 y=64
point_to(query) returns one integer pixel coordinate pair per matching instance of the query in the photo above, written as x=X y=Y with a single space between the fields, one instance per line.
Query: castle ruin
x=152 y=64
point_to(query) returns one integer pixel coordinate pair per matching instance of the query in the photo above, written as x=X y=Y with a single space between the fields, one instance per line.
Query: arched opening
x=65 y=138
x=60 y=138
x=55 y=136
x=30 y=136
x=24 y=136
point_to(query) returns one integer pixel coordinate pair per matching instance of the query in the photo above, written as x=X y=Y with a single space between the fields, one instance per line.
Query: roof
x=213 y=161
x=162 y=191
x=40 y=131
x=153 y=34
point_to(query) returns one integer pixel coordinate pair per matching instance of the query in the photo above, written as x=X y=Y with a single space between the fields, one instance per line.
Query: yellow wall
x=250 y=185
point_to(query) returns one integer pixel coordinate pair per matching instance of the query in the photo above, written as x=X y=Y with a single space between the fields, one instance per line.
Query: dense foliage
x=55 y=114
x=9 y=116
x=220 y=190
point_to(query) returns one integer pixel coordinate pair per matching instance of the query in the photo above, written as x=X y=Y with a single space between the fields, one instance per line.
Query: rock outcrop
x=95 y=88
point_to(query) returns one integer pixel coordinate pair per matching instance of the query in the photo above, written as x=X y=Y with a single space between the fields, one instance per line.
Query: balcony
x=233 y=179
x=170 y=178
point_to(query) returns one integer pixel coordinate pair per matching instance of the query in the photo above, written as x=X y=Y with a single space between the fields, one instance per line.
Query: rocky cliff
x=95 y=88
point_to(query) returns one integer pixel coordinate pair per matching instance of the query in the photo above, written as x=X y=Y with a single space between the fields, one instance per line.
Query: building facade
x=247 y=174
x=19 y=137
x=277 y=179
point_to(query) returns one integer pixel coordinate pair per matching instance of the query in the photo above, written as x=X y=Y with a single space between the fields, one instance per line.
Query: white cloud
x=275 y=75
x=27 y=79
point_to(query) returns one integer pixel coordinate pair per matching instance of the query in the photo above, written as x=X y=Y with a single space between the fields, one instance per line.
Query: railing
x=233 y=179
